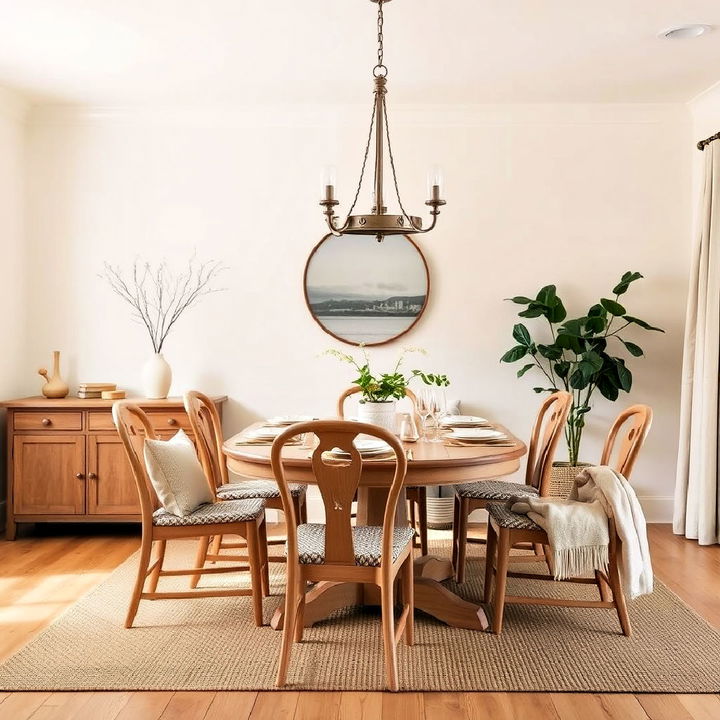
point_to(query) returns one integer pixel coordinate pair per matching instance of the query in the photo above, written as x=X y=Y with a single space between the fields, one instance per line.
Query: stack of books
x=90 y=391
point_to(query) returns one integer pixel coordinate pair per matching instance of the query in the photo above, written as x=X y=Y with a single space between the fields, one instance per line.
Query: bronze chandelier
x=378 y=222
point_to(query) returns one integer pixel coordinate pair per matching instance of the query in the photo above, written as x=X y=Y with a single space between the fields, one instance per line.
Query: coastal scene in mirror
x=363 y=291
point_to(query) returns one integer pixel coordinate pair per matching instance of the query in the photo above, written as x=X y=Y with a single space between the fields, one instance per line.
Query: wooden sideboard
x=66 y=462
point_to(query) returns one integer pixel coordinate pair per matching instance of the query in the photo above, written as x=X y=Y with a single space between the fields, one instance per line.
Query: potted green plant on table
x=578 y=356
x=381 y=391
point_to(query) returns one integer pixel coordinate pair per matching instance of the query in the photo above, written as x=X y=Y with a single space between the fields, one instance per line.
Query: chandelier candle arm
x=379 y=223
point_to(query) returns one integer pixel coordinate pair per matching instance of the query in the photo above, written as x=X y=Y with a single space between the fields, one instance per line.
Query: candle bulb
x=435 y=179
x=328 y=179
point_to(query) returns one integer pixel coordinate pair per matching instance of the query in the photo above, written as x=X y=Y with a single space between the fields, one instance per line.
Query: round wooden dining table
x=429 y=464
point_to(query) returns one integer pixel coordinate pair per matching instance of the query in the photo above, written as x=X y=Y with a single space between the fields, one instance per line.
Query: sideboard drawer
x=100 y=421
x=169 y=420
x=47 y=420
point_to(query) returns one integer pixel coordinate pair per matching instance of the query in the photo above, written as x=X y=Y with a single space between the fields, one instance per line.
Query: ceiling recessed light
x=685 y=32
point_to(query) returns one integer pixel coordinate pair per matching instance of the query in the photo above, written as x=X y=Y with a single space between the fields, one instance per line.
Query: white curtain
x=697 y=489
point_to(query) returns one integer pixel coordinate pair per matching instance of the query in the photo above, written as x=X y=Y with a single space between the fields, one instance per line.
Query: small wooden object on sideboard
x=66 y=462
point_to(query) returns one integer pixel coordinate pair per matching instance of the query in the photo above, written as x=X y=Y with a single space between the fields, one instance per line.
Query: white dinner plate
x=463 y=420
x=281 y=420
x=265 y=433
x=367 y=448
x=476 y=434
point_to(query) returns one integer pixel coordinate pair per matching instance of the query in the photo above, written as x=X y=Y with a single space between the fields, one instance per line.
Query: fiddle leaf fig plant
x=579 y=356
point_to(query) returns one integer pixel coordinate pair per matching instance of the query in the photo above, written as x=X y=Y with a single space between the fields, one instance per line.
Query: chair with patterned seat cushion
x=506 y=529
x=416 y=494
x=265 y=489
x=245 y=518
x=337 y=551
x=479 y=495
x=206 y=424
x=367 y=544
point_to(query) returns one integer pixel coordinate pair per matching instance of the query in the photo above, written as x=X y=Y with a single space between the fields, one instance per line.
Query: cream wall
x=536 y=194
x=12 y=285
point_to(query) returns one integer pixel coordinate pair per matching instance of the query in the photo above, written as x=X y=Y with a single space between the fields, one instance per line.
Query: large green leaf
x=514 y=354
x=524 y=369
x=625 y=280
x=590 y=364
x=595 y=324
x=607 y=388
x=623 y=374
x=551 y=352
x=547 y=295
x=534 y=310
x=520 y=300
x=521 y=334
x=573 y=327
x=570 y=342
x=557 y=312
x=643 y=324
x=562 y=368
x=614 y=308
x=632 y=348
x=597 y=311
x=578 y=379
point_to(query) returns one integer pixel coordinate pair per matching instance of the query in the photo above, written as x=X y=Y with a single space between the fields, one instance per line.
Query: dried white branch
x=158 y=297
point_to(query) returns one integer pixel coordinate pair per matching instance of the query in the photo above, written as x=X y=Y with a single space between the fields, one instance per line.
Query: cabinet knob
x=172 y=421
x=92 y=476
x=46 y=421
x=79 y=476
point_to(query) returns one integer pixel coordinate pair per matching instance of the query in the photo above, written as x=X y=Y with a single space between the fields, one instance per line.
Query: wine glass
x=423 y=406
x=437 y=409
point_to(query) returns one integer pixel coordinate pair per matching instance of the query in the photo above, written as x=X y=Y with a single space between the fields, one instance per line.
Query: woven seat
x=231 y=511
x=494 y=490
x=506 y=518
x=249 y=489
x=367 y=542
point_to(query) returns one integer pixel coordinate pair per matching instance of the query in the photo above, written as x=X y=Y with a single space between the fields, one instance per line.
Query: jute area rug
x=212 y=644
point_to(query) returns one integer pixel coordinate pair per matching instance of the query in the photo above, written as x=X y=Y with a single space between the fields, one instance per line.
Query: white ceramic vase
x=156 y=377
x=378 y=413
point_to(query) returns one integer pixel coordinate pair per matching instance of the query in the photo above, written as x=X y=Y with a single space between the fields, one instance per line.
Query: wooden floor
x=42 y=574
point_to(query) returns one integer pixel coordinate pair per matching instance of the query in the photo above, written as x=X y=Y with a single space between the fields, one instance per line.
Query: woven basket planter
x=562 y=478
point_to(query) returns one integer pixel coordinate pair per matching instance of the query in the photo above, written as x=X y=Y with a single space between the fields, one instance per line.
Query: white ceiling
x=466 y=51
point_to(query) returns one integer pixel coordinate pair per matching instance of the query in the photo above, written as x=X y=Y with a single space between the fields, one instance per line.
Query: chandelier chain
x=392 y=166
x=364 y=162
x=380 y=70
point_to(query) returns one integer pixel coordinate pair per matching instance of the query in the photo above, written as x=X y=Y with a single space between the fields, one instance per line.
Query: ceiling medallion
x=378 y=222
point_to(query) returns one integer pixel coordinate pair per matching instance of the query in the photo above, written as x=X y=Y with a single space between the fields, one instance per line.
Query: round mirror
x=363 y=291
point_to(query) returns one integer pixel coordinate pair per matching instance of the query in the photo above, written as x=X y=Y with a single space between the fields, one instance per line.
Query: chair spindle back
x=546 y=434
x=338 y=480
x=629 y=429
x=207 y=427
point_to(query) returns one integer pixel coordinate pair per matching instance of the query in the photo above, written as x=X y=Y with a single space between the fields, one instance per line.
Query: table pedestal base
x=430 y=596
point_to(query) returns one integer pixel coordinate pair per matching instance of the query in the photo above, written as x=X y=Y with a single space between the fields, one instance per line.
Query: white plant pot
x=382 y=414
x=156 y=377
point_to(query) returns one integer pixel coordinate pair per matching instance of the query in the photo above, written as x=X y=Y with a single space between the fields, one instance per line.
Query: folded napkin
x=578 y=528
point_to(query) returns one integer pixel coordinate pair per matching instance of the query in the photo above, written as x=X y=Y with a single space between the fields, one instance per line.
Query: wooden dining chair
x=505 y=529
x=245 y=518
x=416 y=495
x=624 y=441
x=472 y=496
x=337 y=551
x=207 y=427
x=626 y=438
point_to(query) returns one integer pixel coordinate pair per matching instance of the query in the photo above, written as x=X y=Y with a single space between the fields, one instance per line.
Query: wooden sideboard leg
x=436 y=600
x=10 y=527
x=323 y=599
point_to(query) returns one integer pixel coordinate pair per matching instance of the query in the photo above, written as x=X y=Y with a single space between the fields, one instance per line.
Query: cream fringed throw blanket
x=578 y=528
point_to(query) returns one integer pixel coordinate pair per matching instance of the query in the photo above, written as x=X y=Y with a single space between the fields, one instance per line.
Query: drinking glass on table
x=423 y=406
x=437 y=410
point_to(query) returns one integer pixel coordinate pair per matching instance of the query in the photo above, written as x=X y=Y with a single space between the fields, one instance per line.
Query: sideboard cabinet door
x=49 y=474
x=111 y=484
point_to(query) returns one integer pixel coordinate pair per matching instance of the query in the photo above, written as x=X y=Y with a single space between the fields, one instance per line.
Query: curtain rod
x=701 y=145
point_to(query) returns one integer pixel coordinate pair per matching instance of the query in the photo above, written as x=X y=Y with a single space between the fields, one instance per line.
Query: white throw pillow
x=177 y=475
